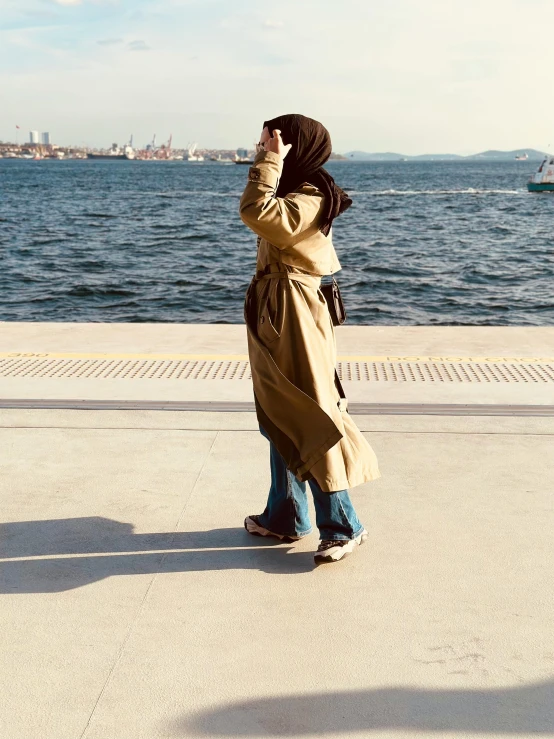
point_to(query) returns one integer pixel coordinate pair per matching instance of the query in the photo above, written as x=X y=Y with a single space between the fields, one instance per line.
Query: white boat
x=221 y=160
x=241 y=157
x=543 y=179
x=522 y=157
x=191 y=156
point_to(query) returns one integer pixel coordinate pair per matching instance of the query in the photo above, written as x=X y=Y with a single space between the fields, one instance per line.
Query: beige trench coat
x=291 y=339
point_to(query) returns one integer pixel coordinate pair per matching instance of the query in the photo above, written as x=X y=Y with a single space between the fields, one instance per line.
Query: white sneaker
x=253 y=527
x=335 y=549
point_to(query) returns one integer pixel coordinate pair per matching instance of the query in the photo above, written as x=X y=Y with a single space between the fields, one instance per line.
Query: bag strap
x=343 y=402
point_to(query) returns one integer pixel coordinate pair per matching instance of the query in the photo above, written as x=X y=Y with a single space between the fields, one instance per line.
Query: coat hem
x=333 y=486
x=315 y=456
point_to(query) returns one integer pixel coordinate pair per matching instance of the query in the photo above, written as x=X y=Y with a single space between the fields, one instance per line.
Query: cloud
x=109 y=41
x=80 y=2
x=269 y=23
x=40 y=14
x=138 y=45
x=407 y=76
x=274 y=60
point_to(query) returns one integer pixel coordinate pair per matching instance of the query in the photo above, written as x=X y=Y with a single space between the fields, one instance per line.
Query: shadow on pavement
x=527 y=710
x=108 y=548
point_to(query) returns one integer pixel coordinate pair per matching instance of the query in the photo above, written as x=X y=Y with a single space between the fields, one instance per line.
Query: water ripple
x=430 y=243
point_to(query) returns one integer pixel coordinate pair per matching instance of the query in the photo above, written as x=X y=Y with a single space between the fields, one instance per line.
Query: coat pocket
x=270 y=315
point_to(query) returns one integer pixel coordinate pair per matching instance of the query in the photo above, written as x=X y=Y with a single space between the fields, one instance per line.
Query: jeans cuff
x=343 y=538
x=283 y=533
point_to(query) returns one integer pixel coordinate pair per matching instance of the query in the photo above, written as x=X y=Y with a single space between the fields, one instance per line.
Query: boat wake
x=465 y=191
x=213 y=193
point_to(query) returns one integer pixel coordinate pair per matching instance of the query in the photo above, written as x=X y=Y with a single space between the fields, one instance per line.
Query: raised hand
x=276 y=144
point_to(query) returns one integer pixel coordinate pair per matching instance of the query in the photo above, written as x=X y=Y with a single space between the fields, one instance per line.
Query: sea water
x=425 y=243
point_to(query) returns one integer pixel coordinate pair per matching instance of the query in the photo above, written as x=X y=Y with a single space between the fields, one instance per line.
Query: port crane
x=164 y=152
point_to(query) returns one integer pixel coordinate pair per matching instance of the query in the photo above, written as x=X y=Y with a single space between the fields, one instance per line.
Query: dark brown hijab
x=311 y=148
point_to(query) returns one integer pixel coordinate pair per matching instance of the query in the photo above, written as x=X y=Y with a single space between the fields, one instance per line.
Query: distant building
x=45 y=138
x=242 y=153
x=33 y=137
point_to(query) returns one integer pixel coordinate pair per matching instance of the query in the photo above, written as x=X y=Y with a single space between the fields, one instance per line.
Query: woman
x=290 y=202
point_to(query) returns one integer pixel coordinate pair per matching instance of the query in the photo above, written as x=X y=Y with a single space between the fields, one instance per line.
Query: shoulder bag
x=333 y=297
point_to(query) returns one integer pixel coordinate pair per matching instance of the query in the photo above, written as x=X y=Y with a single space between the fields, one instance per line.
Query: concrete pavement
x=421 y=365
x=135 y=606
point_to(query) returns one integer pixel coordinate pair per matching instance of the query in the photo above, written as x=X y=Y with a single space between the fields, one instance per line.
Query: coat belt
x=264 y=274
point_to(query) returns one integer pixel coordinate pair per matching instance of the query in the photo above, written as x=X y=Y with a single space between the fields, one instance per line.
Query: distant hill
x=383 y=157
x=362 y=156
x=494 y=154
x=390 y=156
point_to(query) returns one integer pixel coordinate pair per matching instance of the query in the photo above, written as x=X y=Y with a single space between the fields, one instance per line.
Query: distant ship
x=221 y=160
x=114 y=153
x=241 y=157
x=543 y=179
x=191 y=156
x=522 y=157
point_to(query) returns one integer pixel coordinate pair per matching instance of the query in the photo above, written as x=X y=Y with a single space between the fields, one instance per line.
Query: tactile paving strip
x=430 y=372
x=445 y=372
x=126 y=369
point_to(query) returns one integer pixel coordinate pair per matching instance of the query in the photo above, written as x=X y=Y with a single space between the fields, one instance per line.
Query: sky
x=410 y=76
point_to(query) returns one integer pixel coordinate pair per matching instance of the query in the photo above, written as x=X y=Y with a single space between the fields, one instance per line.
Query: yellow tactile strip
x=238 y=357
x=426 y=369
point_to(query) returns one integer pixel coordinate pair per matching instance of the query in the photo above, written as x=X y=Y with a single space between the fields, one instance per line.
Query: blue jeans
x=286 y=511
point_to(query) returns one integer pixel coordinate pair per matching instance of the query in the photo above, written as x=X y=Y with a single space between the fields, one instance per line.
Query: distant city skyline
x=44 y=138
x=428 y=77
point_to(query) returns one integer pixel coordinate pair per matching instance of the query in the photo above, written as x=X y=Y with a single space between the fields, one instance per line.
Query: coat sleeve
x=282 y=221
